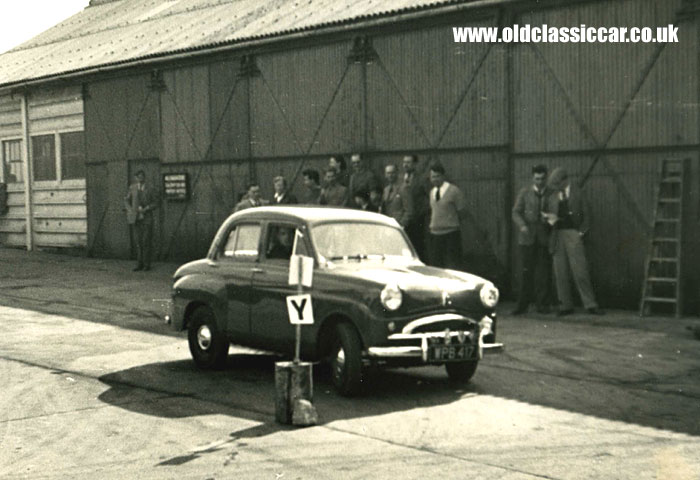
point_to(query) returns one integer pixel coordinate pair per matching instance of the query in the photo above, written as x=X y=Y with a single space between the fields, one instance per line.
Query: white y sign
x=299 y=308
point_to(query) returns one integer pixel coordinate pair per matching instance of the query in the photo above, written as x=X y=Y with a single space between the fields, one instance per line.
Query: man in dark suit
x=282 y=196
x=333 y=193
x=396 y=202
x=418 y=189
x=362 y=179
x=251 y=199
x=569 y=213
x=533 y=243
x=140 y=201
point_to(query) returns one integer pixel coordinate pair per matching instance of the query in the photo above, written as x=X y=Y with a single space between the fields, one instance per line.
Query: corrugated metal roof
x=126 y=30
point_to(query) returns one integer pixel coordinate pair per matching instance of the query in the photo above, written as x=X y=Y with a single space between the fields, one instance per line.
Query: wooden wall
x=608 y=113
x=59 y=206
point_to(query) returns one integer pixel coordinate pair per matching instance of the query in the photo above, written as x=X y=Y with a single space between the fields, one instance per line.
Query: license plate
x=448 y=353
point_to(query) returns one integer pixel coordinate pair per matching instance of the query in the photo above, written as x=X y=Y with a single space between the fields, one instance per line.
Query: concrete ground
x=96 y=386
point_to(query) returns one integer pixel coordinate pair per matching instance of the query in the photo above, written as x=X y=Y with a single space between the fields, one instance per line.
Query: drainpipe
x=27 y=174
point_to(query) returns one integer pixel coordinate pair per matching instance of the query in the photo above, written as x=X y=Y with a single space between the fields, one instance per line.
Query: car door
x=269 y=317
x=236 y=261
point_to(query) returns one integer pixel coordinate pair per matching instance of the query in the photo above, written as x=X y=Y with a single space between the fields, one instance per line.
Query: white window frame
x=43 y=184
x=16 y=186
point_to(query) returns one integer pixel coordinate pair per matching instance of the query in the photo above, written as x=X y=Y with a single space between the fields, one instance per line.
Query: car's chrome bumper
x=422 y=350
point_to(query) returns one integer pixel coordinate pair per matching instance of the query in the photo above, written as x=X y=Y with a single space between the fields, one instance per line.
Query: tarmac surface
x=96 y=386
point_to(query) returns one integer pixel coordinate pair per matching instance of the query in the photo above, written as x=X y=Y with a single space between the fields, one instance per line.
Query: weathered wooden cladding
x=425 y=91
x=228 y=105
x=573 y=96
x=293 y=98
x=121 y=119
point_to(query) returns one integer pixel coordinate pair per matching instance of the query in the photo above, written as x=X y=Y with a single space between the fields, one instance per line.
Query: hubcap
x=339 y=363
x=204 y=337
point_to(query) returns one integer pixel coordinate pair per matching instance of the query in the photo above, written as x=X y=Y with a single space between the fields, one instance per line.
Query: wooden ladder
x=662 y=275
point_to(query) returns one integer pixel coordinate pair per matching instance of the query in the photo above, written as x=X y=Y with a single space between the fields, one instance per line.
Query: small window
x=72 y=155
x=280 y=242
x=242 y=242
x=44 y=157
x=12 y=161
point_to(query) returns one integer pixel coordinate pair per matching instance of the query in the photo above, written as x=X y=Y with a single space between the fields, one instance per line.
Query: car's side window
x=242 y=242
x=279 y=242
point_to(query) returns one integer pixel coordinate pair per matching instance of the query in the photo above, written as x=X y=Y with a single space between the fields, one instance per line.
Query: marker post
x=300 y=291
x=294 y=380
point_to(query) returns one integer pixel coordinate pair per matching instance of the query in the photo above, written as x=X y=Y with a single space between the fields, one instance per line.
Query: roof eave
x=257 y=41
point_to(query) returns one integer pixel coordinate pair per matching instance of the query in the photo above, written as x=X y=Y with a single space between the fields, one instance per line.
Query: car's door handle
x=212 y=263
x=257 y=270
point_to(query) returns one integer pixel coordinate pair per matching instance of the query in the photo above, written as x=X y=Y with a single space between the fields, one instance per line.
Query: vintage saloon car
x=373 y=300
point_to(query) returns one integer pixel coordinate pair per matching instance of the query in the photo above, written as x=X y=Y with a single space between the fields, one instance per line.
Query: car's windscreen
x=337 y=241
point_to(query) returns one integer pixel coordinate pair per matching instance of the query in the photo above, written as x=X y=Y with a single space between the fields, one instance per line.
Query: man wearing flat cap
x=569 y=214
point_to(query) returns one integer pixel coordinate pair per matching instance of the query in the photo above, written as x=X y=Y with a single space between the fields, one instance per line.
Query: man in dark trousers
x=396 y=203
x=140 y=201
x=282 y=196
x=533 y=243
x=418 y=189
x=447 y=211
x=362 y=179
x=568 y=212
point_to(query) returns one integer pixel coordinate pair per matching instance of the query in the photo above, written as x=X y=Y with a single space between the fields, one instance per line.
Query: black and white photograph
x=350 y=239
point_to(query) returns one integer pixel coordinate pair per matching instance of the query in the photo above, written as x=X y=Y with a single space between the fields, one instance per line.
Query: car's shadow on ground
x=246 y=388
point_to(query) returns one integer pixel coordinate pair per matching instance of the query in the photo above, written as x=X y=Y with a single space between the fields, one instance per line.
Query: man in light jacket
x=533 y=243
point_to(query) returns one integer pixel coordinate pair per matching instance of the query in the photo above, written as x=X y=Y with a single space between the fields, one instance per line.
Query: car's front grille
x=440 y=323
x=452 y=325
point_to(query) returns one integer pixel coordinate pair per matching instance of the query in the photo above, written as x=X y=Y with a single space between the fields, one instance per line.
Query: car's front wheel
x=461 y=372
x=346 y=360
x=208 y=345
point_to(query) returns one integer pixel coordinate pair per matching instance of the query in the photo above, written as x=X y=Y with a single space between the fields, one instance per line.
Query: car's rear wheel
x=461 y=372
x=208 y=345
x=346 y=360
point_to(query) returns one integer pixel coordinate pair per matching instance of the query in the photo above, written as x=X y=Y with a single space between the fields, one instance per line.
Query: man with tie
x=252 y=199
x=417 y=188
x=447 y=211
x=533 y=243
x=282 y=196
x=140 y=201
x=569 y=213
x=396 y=203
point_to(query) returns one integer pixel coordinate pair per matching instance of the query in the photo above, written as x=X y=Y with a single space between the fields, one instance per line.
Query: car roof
x=312 y=214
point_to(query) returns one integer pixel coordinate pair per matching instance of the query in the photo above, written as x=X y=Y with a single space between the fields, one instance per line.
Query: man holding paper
x=569 y=214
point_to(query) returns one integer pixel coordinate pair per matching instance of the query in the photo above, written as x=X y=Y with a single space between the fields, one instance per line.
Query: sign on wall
x=176 y=186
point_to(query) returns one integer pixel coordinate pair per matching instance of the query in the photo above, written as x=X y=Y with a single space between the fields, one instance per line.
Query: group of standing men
x=552 y=218
x=431 y=209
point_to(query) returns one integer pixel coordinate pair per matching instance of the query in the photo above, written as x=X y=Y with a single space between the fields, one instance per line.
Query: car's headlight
x=489 y=295
x=391 y=297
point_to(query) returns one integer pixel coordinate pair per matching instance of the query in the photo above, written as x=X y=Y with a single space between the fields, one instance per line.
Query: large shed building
x=226 y=91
